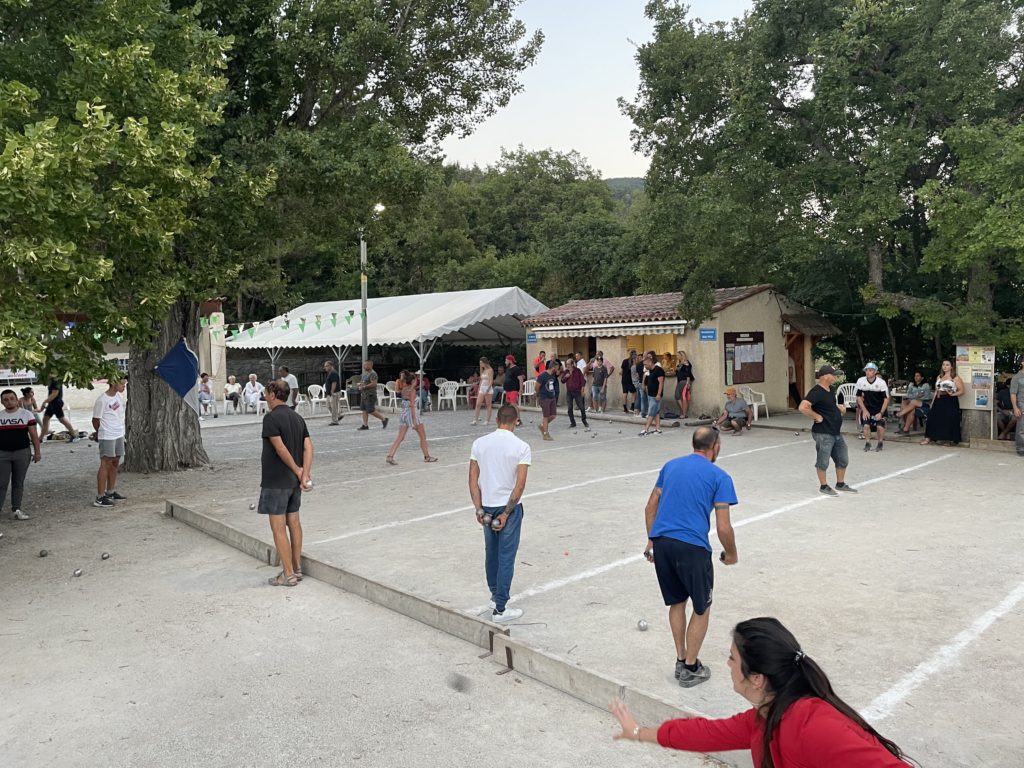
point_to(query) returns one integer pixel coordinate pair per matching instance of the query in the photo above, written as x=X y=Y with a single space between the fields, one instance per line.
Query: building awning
x=811 y=324
x=604 y=330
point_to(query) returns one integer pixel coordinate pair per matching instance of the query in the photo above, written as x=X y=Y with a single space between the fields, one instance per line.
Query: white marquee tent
x=484 y=317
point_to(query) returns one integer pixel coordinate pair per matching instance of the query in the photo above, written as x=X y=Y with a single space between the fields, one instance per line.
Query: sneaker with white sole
x=115 y=496
x=102 y=501
x=689 y=678
x=509 y=614
x=19 y=515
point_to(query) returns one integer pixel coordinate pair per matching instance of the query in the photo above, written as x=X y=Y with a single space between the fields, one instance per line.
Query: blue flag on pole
x=180 y=369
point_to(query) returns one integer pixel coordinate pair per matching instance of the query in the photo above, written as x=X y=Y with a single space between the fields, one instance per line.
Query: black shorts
x=684 y=573
x=279 y=501
x=54 y=408
x=873 y=423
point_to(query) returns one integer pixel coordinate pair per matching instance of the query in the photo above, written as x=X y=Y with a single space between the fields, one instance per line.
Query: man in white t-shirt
x=873 y=404
x=253 y=392
x=108 y=423
x=293 y=384
x=498 y=464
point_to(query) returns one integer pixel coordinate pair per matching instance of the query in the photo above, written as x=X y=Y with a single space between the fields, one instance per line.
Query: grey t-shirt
x=736 y=408
x=1017 y=387
x=600 y=374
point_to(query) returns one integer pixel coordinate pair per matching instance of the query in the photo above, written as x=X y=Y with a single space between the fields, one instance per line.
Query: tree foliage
x=833 y=148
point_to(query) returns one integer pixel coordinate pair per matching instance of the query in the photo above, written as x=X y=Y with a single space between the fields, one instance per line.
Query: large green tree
x=814 y=144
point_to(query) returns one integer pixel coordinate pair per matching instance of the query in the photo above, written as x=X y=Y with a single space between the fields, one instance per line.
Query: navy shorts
x=684 y=573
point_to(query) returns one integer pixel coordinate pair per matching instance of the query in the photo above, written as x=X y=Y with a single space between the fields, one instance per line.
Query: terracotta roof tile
x=634 y=309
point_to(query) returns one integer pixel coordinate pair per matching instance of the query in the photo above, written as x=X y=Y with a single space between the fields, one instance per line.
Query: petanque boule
x=486 y=518
x=457 y=682
x=252 y=506
x=105 y=556
x=78 y=572
x=642 y=625
x=495 y=524
x=43 y=553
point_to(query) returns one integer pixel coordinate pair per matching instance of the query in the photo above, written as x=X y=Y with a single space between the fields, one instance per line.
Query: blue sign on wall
x=709 y=334
x=531 y=338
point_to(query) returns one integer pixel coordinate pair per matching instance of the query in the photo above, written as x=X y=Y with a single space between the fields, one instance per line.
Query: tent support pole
x=275 y=355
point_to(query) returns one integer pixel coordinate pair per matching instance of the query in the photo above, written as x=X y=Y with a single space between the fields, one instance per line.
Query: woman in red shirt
x=797 y=720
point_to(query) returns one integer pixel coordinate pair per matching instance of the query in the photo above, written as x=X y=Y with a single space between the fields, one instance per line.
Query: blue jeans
x=644 y=401
x=501 y=548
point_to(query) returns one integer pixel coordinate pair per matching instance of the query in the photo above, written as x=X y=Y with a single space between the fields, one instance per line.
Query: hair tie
x=798 y=657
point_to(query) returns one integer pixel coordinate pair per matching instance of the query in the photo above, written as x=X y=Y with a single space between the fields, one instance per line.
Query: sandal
x=926 y=441
x=298 y=574
x=429 y=459
x=283 y=581
x=391 y=460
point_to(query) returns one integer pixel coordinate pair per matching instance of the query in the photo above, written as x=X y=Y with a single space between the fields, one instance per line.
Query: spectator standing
x=293 y=385
x=820 y=406
x=736 y=413
x=678 y=516
x=574 y=382
x=409 y=419
x=794 y=390
x=232 y=394
x=601 y=371
x=514 y=379
x=499 y=385
x=205 y=396
x=797 y=718
x=28 y=402
x=626 y=373
x=19 y=447
x=540 y=363
x=108 y=424
x=286 y=466
x=368 y=396
x=655 y=383
x=872 y=402
x=547 y=396
x=641 y=386
x=483 y=392
x=253 y=392
x=54 y=406
x=332 y=388
x=916 y=403
x=684 y=383
x=944 y=417
x=498 y=465
x=423 y=387
x=1017 y=402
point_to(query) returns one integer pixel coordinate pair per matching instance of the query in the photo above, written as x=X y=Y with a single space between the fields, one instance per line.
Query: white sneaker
x=509 y=614
x=19 y=515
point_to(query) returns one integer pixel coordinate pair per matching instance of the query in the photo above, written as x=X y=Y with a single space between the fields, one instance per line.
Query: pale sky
x=569 y=95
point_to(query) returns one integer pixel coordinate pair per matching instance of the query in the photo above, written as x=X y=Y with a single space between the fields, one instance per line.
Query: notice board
x=975 y=365
x=744 y=357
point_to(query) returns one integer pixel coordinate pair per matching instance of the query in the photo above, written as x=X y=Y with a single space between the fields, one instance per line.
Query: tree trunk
x=895 y=352
x=163 y=432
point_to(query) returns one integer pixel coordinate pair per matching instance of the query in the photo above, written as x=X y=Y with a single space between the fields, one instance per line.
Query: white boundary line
x=535 y=494
x=885 y=703
x=567 y=580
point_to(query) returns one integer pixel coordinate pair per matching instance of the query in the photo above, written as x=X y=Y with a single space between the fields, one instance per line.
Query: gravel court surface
x=868 y=582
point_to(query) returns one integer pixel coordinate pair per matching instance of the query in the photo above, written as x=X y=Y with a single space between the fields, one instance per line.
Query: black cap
x=825 y=370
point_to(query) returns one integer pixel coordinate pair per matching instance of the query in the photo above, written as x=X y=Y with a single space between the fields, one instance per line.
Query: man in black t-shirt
x=655 y=388
x=54 y=406
x=286 y=464
x=820 y=406
x=332 y=386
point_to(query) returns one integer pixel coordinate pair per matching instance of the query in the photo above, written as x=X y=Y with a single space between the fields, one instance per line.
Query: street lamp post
x=377 y=210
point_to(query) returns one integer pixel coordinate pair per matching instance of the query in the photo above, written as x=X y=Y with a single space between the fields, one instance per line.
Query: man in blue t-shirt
x=678 y=518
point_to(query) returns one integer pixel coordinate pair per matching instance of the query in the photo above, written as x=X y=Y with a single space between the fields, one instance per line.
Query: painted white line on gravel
x=565 y=581
x=945 y=656
x=535 y=494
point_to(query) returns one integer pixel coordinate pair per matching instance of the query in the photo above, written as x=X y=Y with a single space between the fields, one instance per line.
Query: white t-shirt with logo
x=499 y=456
x=110 y=411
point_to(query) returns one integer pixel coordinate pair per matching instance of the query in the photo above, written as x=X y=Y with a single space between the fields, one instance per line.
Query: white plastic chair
x=210 y=409
x=756 y=401
x=849 y=395
x=315 y=397
x=439 y=381
x=462 y=393
x=447 y=393
x=390 y=397
x=529 y=390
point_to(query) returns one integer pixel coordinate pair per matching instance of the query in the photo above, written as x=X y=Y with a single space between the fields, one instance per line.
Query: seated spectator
x=916 y=404
x=253 y=392
x=473 y=386
x=736 y=414
x=1005 y=420
x=232 y=393
x=205 y=394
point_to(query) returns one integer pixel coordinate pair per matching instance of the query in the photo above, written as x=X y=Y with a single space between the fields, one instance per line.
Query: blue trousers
x=501 y=548
x=644 y=400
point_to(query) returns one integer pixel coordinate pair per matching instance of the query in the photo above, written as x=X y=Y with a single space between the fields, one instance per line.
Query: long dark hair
x=768 y=648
